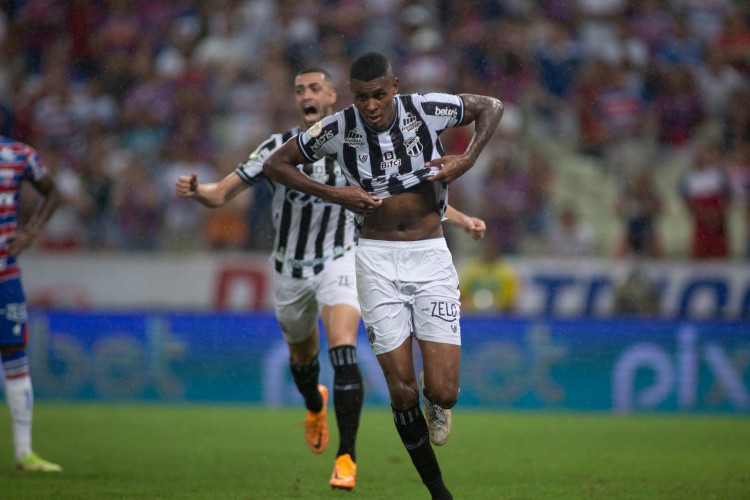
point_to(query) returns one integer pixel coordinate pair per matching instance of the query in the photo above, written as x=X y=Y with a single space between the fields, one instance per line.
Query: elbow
x=55 y=198
x=274 y=170
x=268 y=170
x=499 y=107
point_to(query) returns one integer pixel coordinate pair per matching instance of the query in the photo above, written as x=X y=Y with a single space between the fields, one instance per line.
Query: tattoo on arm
x=486 y=113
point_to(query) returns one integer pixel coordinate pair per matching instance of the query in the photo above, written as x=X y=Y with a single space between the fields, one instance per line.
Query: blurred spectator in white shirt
x=570 y=236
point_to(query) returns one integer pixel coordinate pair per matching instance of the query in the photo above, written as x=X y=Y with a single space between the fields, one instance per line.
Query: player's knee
x=302 y=356
x=302 y=353
x=445 y=396
x=404 y=396
x=342 y=338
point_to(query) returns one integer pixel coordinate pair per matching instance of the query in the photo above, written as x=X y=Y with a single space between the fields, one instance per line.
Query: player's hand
x=450 y=167
x=21 y=241
x=187 y=185
x=357 y=200
x=476 y=228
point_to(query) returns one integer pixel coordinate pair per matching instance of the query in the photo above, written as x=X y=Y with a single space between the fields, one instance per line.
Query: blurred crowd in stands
x=120 y=97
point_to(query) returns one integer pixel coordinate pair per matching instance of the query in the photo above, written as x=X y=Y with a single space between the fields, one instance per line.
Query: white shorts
x=298 y=301
x=407 y=287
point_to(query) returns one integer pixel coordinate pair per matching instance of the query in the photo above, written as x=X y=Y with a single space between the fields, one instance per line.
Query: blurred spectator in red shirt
x=706 y=191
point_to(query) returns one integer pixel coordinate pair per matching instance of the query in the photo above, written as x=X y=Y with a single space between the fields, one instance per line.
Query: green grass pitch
x=243 y=452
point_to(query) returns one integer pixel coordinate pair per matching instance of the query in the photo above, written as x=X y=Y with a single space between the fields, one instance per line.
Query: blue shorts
x=13 y=315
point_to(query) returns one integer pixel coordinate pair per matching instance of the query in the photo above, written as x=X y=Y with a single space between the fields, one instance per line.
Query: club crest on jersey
x=413 y=146
x=390 y=161
x=410 y=123
x=315 y=130
x=363 y=158
x=355 y=138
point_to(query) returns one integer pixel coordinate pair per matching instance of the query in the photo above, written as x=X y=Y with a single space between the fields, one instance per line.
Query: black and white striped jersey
x=389 y=162
x=309 y=231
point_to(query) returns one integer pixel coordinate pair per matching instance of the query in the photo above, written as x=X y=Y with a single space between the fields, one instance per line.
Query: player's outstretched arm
x=474 y=226
x=211 y=194
x=281 y=167
x=485 y=112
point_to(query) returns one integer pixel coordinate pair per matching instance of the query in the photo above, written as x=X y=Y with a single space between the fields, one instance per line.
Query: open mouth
x=310 y=110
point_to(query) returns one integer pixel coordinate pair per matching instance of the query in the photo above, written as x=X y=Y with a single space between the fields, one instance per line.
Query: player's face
x=374 y=100
x=314 y=97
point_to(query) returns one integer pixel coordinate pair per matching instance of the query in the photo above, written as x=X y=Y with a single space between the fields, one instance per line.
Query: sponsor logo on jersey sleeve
x=318 y=143
x=441 y=109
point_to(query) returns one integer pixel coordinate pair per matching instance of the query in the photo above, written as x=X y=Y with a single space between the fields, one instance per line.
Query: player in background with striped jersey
x=389 y=150
x=313 y=260
x=20 y=162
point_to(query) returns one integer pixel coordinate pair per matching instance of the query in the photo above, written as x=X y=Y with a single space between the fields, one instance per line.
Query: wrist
x=329 y=194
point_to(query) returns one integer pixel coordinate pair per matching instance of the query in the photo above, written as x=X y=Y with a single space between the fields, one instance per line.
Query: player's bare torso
x=409 y=216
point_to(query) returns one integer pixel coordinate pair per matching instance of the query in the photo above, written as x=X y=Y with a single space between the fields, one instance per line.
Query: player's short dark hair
x=316 y=69
x=369 y=67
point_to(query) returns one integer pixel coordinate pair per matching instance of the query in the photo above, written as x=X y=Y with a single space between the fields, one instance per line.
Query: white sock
x=20 y=398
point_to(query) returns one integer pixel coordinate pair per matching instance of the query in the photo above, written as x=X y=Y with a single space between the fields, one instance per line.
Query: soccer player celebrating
x=387 y=145
x=20 y=162
x=314 y=275
x=313 y=260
